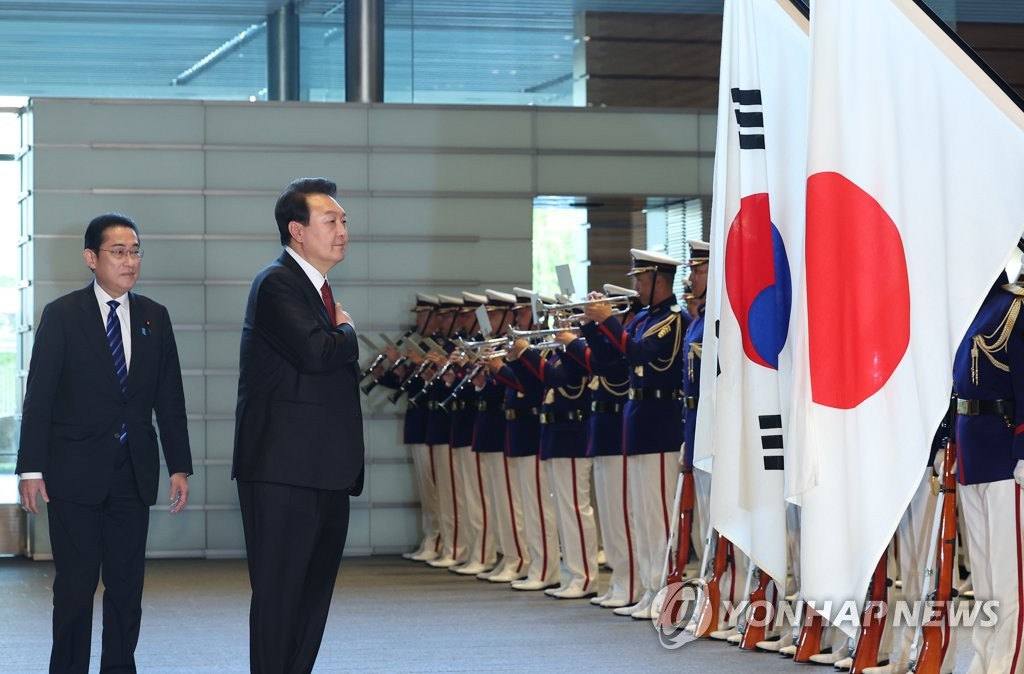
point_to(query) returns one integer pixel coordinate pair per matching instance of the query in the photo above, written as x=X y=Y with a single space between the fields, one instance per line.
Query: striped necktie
x=117 y=350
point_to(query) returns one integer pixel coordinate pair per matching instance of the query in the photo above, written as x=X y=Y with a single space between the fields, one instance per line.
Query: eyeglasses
x=121 y=253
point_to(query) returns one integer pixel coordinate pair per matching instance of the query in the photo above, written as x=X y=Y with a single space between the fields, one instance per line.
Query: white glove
x=1018 y=473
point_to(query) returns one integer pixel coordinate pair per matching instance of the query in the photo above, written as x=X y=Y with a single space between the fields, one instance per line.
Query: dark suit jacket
x=298 y=419
x=73 y=406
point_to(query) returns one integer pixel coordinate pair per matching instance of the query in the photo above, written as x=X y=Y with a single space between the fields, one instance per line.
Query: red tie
x=325 y=292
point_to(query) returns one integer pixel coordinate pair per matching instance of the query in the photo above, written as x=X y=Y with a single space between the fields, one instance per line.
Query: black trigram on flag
x=749 y=116
x=771 y=440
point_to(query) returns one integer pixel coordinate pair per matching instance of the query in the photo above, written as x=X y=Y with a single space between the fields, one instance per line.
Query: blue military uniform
x=692 y=344
x=653 y=416
x=563 y=449
x=609 y=392
x=988 y=380
x=651 y=346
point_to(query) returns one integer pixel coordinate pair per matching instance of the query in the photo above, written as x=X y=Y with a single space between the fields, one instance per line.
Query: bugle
x=408 y=338
x=620 y=305
x=433 y=347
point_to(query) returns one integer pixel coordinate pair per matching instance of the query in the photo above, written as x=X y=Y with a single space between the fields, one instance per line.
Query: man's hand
x=566 y=337
x=178 y=495
x=343 y=316
x=598 y=311
x=28 y=489
x=518 y=347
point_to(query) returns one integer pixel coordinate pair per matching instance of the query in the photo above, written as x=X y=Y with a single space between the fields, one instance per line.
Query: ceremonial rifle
x=872 y=621
x=708 y=619
x=758 y=616
x=934 y=633
x=677 y=553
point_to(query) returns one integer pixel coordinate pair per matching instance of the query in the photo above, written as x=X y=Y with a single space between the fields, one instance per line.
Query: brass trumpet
x=574 y=310
x=539 y=335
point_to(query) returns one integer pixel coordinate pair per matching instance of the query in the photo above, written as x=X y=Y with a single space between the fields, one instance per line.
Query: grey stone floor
x=388 y=615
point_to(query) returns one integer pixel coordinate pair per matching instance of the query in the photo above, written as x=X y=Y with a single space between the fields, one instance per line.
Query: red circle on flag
x=858 y=292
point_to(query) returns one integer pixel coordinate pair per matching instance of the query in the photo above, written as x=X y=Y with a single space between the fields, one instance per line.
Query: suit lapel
x=142 y=340
x=95 y=337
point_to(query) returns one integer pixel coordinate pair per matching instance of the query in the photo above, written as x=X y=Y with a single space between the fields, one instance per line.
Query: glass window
x=559 y=238
x=10 y=187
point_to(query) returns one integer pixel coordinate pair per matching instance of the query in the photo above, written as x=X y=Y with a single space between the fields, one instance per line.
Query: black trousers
x=294 y=539
x=87 y=539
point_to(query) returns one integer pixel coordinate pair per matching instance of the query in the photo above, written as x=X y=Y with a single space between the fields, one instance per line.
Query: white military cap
x=498 y=298
x=700 y=252
x=425 y=302
x=450 y=302
x=612 y=290
x=473 y=299
x=649 y=260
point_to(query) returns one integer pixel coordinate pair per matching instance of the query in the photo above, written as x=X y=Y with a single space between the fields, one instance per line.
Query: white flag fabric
x=756 y=240
x=913 y=208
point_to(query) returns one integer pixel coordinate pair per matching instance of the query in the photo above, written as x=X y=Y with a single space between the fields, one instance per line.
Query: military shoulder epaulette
x=675 y=308
x=1014 y=289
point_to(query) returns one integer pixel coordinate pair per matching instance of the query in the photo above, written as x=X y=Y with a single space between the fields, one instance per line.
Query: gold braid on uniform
x=998 y=339
x=659 y=330
x=696 y=351
x=612 y=387
x=564 y=390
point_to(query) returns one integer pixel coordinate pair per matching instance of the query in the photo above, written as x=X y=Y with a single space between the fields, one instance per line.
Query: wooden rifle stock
x=809 y=641
x=708 y=619
x=935 y=631
x=677 y=562
x=758 y=616
x=871 y=623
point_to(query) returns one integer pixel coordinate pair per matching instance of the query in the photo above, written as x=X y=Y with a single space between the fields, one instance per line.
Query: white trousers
x=611 y=492
x=477 y=513
x=652 y=483
x=507 y=509
x=423 y=469
x=993 y=513
x=539 y=521
x=448 y=473
x=577 y=530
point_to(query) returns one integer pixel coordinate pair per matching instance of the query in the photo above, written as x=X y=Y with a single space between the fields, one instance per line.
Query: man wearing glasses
x=104 y=360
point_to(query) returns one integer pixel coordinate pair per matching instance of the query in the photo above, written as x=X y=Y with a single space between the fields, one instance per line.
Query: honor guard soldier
x=609 y=386
x=476 y=513
x=414 y=434
x=453 y=546
x=489 y=444
x=988 y=380
x=692 y=350
x=692 y=345
x=653 y=416
x=563 y=453
x=523 y=399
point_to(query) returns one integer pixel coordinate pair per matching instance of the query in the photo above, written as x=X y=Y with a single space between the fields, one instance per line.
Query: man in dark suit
x=298 y=431
x=103 y=361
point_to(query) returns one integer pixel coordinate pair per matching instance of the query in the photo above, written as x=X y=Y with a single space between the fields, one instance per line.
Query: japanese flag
x=913 y=208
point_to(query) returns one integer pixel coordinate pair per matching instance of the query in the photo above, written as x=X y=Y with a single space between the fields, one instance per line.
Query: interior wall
x=439 y=199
